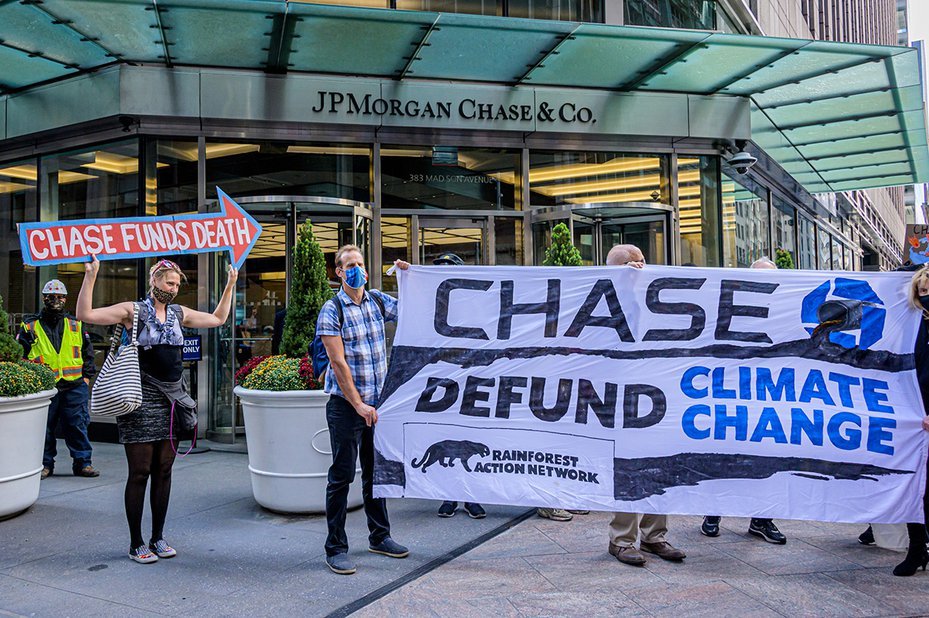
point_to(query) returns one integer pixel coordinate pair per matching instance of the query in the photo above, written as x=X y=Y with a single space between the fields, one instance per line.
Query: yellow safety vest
x=67 y=362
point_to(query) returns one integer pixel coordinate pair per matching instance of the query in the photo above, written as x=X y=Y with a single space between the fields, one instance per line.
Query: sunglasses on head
x=166 y=264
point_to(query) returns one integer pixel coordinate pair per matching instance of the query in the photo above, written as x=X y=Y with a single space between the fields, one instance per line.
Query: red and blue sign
x=63 y=242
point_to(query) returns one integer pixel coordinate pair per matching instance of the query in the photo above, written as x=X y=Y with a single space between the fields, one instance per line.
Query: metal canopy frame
x=812 y=101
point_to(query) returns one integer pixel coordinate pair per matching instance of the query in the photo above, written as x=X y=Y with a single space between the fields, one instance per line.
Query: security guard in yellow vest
x=58 y=340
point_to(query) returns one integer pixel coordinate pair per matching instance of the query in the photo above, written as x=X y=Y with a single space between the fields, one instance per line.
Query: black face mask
x=924 y=301
x=162 y=296
x=54 y=305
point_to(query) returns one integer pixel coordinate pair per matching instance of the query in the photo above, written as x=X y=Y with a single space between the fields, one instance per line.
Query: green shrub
x=783 y=259
x=562 y=252
x=24 y=378
x=280 y=373
x=10 y=350
x=309 y=290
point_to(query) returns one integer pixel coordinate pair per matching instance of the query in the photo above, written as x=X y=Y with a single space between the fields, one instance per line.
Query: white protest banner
x=762 y=393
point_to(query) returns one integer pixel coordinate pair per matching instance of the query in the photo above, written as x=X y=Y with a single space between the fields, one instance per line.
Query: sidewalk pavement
x=546 y=568
x=66 y=556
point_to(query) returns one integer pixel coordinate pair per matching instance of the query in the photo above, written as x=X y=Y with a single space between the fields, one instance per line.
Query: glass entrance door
x=461 y=236
x=262 y=289
x=597 y=230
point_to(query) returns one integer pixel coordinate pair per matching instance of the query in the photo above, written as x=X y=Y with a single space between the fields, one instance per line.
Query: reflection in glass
x=647 y=236
x=93 y=183
x=584 y=240
x=825 y=250
x=17 y=205
x=286 y=168
x=508 y=241
x=783 y=229
x=745 y=224
x=473 y=7
x=396 y=243
x=806 y=236
x=838 y=255
x=698 y=187
x=448 y=178
x=692 y=14
x=465 y=242
x=564 y=10
x=558 y=177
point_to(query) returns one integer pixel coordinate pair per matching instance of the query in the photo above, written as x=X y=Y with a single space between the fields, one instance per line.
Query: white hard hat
x=55 y=287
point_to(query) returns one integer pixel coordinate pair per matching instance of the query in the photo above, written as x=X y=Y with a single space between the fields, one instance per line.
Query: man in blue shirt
x=356 y=346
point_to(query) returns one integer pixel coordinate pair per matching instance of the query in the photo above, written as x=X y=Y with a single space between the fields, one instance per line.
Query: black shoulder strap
x=338 y=309
x=379 y=302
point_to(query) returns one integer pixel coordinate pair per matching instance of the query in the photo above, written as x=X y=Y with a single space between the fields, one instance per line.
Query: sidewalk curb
x=374 y=595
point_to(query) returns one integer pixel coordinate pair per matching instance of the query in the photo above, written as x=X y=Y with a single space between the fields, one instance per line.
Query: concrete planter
x=288 y=450
x=22 y=440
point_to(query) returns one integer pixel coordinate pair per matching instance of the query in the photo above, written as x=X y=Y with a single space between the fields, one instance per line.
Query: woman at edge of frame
x=917 y=556
x=146 y=433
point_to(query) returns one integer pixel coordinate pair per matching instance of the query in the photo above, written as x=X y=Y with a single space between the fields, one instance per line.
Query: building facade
x=432 y=126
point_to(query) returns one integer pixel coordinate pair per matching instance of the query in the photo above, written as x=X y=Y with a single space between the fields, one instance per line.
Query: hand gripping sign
x=62 y=242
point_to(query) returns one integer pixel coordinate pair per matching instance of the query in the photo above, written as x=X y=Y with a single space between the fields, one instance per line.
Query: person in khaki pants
x=626 y=528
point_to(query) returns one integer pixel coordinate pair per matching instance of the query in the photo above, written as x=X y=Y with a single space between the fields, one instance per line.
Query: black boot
x=916 y=556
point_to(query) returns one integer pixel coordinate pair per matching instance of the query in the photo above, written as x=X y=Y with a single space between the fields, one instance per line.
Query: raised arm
x=104 y=316
x=201 y=319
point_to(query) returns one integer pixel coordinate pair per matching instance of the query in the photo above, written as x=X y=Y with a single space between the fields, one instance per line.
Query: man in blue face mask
x=351 y=327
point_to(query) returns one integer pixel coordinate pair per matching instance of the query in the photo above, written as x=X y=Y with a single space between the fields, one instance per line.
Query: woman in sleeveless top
x=146 y=433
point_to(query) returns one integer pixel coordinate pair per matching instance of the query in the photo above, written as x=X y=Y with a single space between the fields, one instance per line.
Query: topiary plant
x=783 y=259
x=10 y=350
x=309 y=290
x=562 y=252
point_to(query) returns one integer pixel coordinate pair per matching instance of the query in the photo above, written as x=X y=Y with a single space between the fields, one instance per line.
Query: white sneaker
x=162 y=549
x=142 y=555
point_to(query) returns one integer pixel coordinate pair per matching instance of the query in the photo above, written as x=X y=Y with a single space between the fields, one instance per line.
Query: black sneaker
x=448 y=509
x=710 y=525
x=475 y=510
x=866 y=537
x=766 y=529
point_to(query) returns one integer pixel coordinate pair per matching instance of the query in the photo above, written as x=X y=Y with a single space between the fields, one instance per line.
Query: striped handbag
x=118 y=387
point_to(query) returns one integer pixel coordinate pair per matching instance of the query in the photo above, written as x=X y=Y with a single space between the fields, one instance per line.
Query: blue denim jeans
x=70 y=408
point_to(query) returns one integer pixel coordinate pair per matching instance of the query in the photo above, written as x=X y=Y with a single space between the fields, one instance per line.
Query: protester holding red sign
x=150 y=434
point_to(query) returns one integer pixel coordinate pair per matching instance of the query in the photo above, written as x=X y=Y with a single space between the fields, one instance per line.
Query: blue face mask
x=356 y=277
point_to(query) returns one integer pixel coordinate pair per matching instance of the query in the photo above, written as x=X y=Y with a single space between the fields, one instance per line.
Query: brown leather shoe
x=88 y=471
x=663 y=550
x=46 y=472
x=628 y=555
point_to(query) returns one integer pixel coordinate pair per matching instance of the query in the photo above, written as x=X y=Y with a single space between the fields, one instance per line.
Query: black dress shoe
x=866 y=537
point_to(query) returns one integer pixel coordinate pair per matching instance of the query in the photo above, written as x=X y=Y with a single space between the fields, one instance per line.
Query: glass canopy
x=837 y=116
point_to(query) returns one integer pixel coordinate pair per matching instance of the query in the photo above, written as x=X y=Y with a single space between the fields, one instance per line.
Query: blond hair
x=346 y=249
x=921 y=276
x=160 y=268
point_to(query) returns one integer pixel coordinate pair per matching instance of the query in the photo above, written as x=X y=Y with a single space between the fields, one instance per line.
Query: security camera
x=742 y=161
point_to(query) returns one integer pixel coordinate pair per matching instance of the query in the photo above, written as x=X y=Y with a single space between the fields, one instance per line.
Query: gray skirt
x=150 y=423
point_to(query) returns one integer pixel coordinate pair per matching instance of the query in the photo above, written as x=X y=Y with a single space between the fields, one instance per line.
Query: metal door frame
x=290 y=210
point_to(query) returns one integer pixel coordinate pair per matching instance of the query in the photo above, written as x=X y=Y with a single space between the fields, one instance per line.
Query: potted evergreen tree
x=283 y=404
x=562 y=252
x=25 y=391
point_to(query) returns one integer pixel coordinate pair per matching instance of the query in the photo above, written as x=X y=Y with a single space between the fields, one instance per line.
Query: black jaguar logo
x=446 y=452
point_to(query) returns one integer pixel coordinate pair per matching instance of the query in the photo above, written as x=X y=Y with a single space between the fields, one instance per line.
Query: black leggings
x=917 y=531
x=155 y=460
